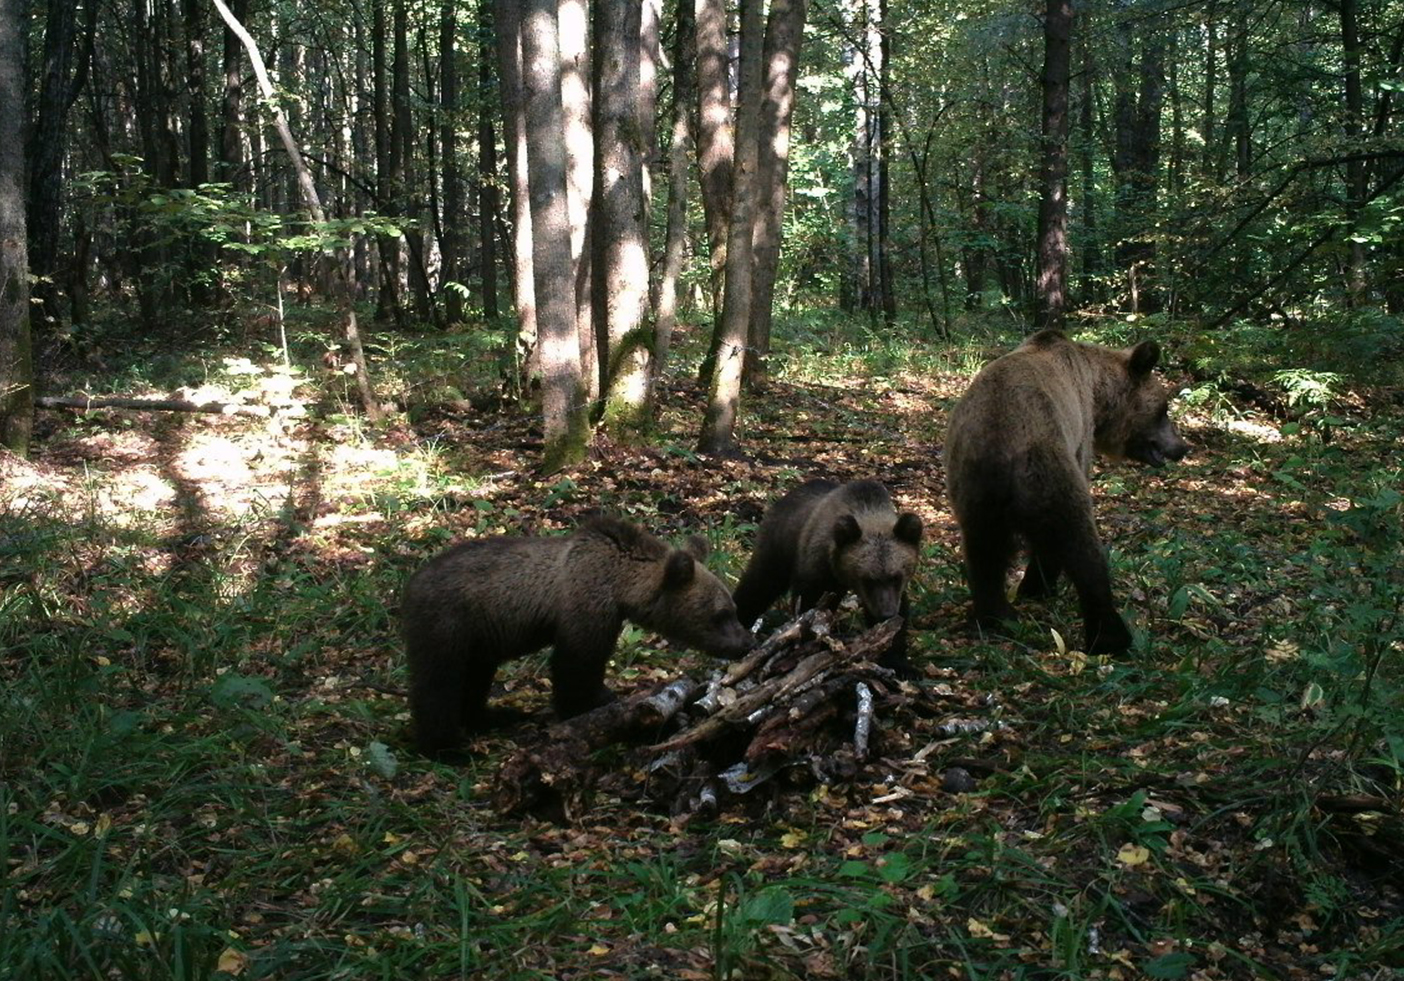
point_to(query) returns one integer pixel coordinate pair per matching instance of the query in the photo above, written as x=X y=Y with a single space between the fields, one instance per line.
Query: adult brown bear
x=484 y=602
x=1018 y=455
x=826 y=537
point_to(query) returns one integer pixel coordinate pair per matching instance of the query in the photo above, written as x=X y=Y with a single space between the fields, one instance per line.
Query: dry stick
x=314 y=205
x=150 y=405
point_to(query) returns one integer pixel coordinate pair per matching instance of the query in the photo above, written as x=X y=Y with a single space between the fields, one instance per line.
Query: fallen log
x=85 y=403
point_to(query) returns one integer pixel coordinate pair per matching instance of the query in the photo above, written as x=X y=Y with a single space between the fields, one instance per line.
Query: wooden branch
x=150 y=405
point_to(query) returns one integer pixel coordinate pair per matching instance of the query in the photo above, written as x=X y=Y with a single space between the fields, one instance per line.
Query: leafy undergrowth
x=204 y=758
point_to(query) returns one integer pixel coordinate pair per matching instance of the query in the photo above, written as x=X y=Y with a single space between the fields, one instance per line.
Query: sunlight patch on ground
x=1256 y=431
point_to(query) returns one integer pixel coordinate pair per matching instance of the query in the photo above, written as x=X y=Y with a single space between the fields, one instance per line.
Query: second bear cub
x=827 y=537
x=484 y=602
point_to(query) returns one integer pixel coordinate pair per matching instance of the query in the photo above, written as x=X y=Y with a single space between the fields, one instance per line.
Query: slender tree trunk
x=450 y=260
x=649 y=48
x=563 y=394
x=507 y=24
x=402 y=139
x=1091 y=234
x=622 y=259
x=1236 y=126
x=580 y=187
x=719 y=426
x=684 y=84
x=783 y=36
x=45 y=152
x=884 y=155
x=198 y=135
x=715 y=142
x=16 y=362
x=386 y=171
x=1355 y=167
x=1051 y=295
x=344 y=292
x=231 y=140
x=1209 y=114
x=487 y=165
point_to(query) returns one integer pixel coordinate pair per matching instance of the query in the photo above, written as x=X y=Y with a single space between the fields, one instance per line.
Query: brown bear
x=484 y=602
x=826 y=537
x=1018 y=457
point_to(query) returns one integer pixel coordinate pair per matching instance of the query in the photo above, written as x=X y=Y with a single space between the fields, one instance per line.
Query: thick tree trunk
x=563 y=394
x=507 y=24
x=580 y=188
x=402 y=139
x=1051 y=293
x=16 y=363
x=719 y=426
x=487 y=166
x=451 y=242
x=783 y=35
x=622 y=256
x=684 y=83
x=198 y=135
x=344 y=292
x=715 y=142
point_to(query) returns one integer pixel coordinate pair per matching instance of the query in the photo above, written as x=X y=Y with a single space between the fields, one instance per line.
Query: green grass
x=203 y=755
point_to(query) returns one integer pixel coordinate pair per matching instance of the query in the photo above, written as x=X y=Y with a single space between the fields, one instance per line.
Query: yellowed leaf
x=1133 y=854
x=232 y=962
x=599 y=950
x=103 y=825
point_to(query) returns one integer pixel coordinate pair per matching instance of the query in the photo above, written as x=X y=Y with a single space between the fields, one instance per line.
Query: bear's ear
x=846 y=531
x=908 y=529
x=1144 y=357
x=698 y=548
x=679 y=570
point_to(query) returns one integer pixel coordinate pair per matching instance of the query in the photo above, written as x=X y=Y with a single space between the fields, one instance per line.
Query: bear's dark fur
x=826 y=537
x=1019 y=453
x=484 y=602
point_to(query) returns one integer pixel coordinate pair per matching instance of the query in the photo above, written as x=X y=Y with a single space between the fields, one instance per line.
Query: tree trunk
x=715 y=143
x=58 y=88
x=719 y=426
x=886 y=290
x=402 y=177
x=622 y=257
x=1051 y=296
x=1207 y=117
x=580 y=187
x=684 y=84
x=1091 y=235
x=386 y=168
x=649 y=47
x=1355 y=167
x=450 y=259
x=1236 y=126
x=783 y=36
x=507 y=25
x=231 y=140
x=344 y=293
x=563 y=394
x=487 y=166
x=16 y=363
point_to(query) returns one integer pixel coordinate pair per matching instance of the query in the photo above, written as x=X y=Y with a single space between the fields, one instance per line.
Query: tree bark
x=580 y=188
x=622 y=260
x=402 y=176
x=487 y=166
x=451 y=248
x=231 y=140
x=1355 y=166
x=386 y=168
x=563 y=394
x=16 y=363
x=1209 y=164
x=715 y=141
x=719 y=425
x=1051 y=291
x=649 y=47
x=783 y=36
x=886 y=291
x=1236 y=127
x=684 y=84
x=344 y=293
x=1091 y=234
x=58 y=88
x=507 y=25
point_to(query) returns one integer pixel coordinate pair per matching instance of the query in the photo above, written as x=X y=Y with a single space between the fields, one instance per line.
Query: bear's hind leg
x=436 y=697
x=1041 y=575
x=1104 y=632
x=989 y=545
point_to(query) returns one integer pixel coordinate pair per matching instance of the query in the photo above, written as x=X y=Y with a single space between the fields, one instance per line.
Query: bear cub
x=481 y=603
x=827 y=537
x=1019 y=452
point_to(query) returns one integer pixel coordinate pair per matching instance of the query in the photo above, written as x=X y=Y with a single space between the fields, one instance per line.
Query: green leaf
x=382 y=760
x=237 y=691
x=772 y=905
x=1170 y=966
x=895 y=868
x=854 y=869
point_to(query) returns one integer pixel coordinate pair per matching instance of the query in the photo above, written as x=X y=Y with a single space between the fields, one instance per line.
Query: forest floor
x=204 y=754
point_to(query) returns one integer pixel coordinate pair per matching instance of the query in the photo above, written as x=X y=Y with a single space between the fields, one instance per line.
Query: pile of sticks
x=805 y=699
